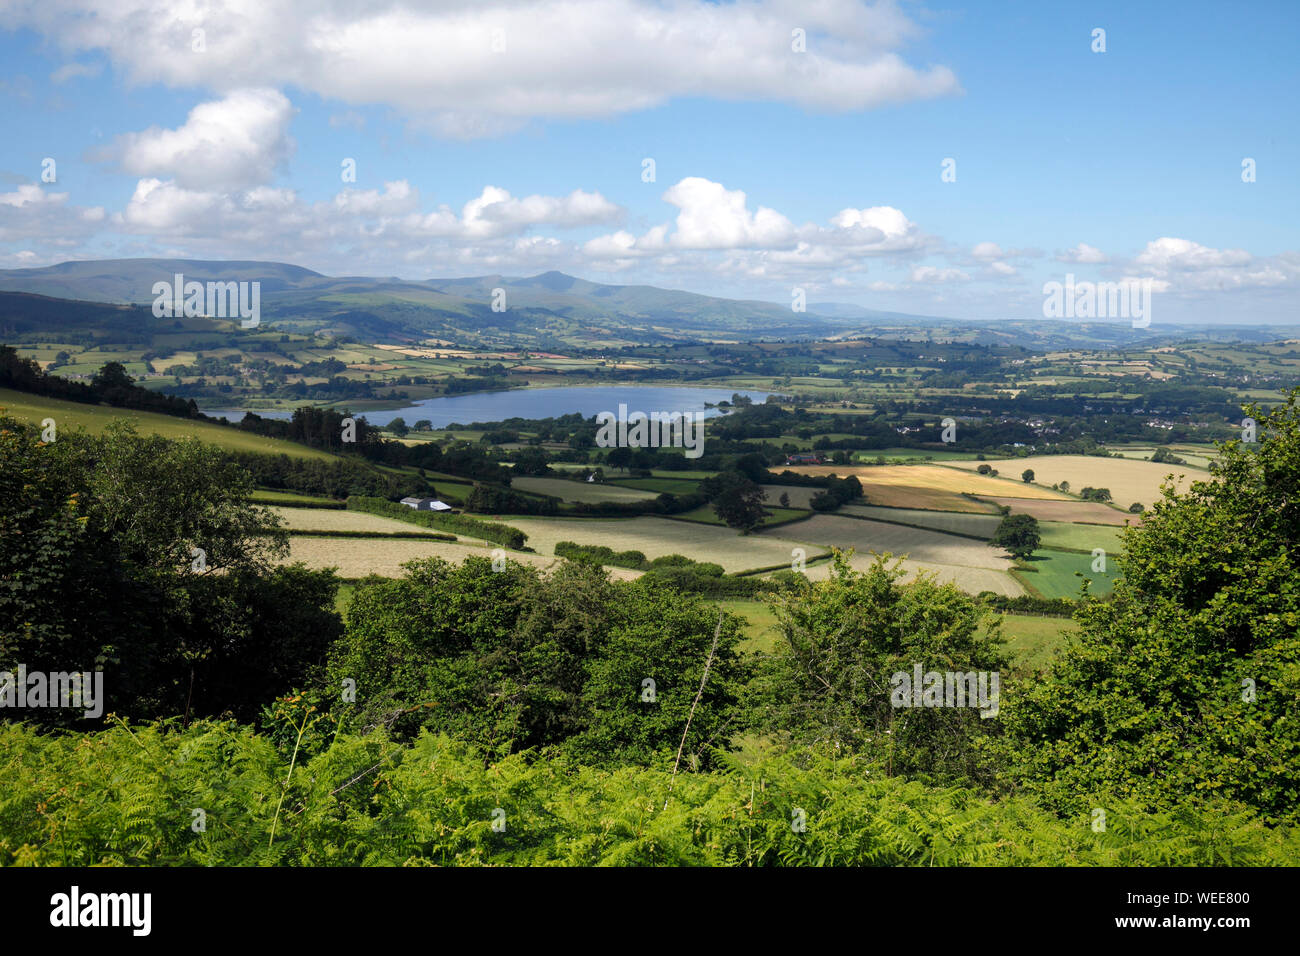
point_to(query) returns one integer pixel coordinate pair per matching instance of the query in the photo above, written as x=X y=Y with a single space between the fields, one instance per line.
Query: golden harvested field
x=968 y=579
x=580 y=490
x=325 y=519
x=971 y=565
x=1128 y=480
x=359 y=557
x=656 y=537
x=1088 y=512
x=932 y=487
x=919 y=544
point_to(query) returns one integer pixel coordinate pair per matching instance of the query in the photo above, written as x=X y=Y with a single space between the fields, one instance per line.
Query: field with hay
x=327 y=519
x=360 y=557
x=920 y=544
x=933 y=487
x=1128 y=480
x=655 y=537
x=1087 y=512
x=969 y=579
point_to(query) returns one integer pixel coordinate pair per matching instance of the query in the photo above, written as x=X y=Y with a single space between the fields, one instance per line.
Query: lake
x=538 y=403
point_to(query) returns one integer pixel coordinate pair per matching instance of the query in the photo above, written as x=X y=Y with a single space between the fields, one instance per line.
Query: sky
x=934 y=158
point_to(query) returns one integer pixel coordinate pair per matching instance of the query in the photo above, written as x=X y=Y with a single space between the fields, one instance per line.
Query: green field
x=761 y=631
x=1053 y=574
x=69 y=416
x=981 y=526
x=705 y=514
x=269 y=496
x=672 y=486
x=1079 y=537
x=582 y=491
x=1033 y=640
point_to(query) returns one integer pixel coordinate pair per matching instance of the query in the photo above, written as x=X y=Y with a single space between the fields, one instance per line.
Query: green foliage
x=459 y=524
x=143 y=559
x=498 y=659
x=1018 y=535
x=1185 y=684
x=736 y=499
x=127 y=795
x=843 y=640
x=600 y=554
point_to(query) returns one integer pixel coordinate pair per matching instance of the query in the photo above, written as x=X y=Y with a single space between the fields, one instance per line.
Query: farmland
x=936 y=487
x=1086 y=512
x=656 y=537
x=581 y=491
x=324 y=519
x=1128 y=480
x=980 y=525
x=1058 y=574
x=361 y=557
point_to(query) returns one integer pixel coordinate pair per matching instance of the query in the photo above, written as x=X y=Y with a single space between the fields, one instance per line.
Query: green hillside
x=94 y=418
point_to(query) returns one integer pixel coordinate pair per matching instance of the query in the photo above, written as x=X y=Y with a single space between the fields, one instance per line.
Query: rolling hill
x=548 y=311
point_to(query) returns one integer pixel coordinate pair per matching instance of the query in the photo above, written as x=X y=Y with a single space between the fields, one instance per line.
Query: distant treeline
x=336 y=478
x=324 y=428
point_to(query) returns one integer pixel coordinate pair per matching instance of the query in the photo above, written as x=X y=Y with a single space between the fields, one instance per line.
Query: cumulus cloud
x=932 y=275
x=231 y=143
x=987 y=250
x=476 y=67
x=1184 y=265
x=1083 y=254
x=714 y=217
x=730 y=236
x=43 y=218
x=1184 y=255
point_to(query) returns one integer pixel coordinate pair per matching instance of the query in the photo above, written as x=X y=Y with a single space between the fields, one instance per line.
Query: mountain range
x=550 y=311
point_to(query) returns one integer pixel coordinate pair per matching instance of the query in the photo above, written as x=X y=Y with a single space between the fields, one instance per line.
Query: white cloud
x=1184 y=255
x=1183 y=265
x=231 y=143
x=31 y=214
x=71 y=71
x=565 y=58
x=931 y=275
x=1083 y=254
x=987 y=250
x=714 y=217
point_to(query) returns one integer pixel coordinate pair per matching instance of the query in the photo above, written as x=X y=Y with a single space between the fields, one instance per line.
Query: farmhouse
x=426 y=504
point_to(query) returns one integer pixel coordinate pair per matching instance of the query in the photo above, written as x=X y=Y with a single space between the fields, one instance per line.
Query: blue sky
x=774 y=169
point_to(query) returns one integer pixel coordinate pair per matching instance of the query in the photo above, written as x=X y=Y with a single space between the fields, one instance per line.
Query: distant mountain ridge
x=552 y=310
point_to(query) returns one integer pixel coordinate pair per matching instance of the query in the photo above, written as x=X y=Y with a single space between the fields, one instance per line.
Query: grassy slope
x=1053 y=574
x=70 y=416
